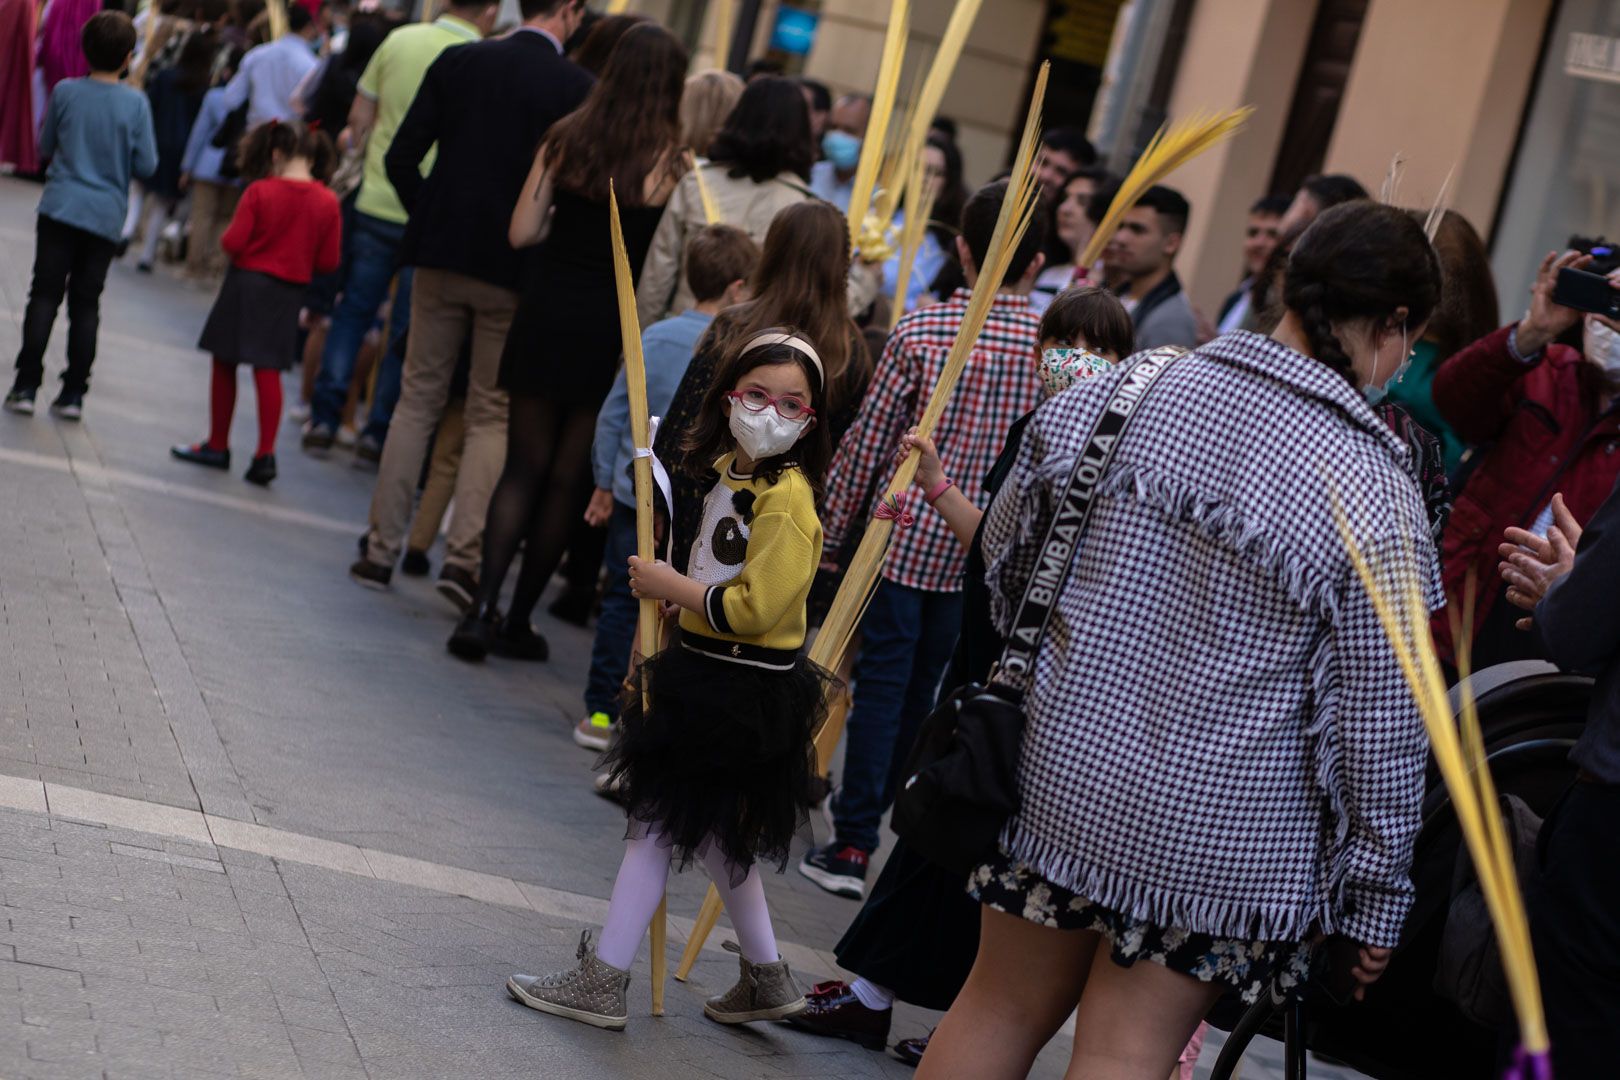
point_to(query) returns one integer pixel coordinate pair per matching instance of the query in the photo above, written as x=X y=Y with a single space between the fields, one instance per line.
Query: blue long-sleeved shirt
x=925 y=267
x=96 y=134
x=203 y=159
x=666 y=349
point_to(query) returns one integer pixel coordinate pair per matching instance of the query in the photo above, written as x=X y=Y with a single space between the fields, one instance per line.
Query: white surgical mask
x=1602 y=347
x=1375 y=391
x=1060 y=368
x=764 y=434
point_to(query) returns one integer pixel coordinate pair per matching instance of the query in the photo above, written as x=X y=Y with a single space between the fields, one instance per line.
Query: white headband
x=792 y=341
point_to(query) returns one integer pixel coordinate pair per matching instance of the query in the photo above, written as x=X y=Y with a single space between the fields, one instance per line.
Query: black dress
x=918 y=932
x=564 y=342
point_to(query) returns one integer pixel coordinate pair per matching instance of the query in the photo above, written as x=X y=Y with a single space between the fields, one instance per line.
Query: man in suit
x=486 y=106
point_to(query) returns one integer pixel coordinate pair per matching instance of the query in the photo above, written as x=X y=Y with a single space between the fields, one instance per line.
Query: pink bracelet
x=933 y=493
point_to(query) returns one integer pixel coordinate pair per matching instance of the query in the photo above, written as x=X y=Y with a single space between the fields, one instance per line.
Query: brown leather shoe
x=831 y=1008
x=911 y=1051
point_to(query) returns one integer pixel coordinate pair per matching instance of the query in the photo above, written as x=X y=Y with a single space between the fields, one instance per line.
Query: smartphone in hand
x=1586 y=291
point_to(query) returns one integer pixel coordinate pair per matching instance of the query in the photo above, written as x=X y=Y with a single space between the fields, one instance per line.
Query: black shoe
x=471 y=640
x=144 y=267
x=202 y=454
x=839 y=870
x=574 y=607
x=21 y=401
x=262 y=470
x=415 y=564
x=371 y=575
x=69 y=404
x=831 y=1008
x=457 y=586
x=518 y=641
x=318 y=439
x=367 y=453
x=911 y=1051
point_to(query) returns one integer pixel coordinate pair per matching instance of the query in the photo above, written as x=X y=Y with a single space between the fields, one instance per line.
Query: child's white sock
x=636 y=892
x=872 y=995
x=745 y=906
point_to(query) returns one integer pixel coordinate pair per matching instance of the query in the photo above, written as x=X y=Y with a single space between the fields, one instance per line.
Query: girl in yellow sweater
x=719 y=767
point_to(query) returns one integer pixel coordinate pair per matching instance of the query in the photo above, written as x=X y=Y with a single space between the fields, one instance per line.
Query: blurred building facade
x=1517 y=100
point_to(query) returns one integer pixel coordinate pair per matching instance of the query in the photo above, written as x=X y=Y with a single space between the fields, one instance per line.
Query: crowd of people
x=1221 y=762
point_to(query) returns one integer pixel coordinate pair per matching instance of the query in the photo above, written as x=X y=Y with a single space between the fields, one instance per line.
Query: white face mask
x=1602 y=347
x=765 y=434
x=1376 y=391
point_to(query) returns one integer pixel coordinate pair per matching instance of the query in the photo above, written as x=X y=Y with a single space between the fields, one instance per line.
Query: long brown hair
x=803 y=281
x=1467 y=310
x=629 y=125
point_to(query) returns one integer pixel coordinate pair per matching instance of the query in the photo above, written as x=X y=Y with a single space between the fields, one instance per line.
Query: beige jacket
x=662 y=290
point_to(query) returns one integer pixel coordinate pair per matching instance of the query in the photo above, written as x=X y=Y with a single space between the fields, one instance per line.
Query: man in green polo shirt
x=387 y=88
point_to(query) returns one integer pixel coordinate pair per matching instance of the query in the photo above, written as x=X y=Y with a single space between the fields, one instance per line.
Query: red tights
x=222 y=405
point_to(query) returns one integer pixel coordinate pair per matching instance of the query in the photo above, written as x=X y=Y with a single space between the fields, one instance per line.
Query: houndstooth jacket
x=1219 y=738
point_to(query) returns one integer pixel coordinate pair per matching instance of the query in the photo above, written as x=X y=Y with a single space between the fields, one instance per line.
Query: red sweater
x=290 y=229
x=1541 y=433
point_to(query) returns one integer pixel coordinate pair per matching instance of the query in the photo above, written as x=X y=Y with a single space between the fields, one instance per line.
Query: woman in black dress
x=563 y=349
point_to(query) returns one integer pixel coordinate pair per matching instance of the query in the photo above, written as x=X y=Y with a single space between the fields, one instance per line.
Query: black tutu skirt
x=723 y=755
x=254 y=320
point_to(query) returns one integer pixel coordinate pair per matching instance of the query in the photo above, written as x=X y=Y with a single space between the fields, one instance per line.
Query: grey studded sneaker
x=592 y=993
x=763 y=992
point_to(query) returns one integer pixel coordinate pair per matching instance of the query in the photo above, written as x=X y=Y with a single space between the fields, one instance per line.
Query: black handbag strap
x=1069 y=519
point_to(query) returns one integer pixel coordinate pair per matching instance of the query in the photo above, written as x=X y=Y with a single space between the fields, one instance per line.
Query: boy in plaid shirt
x=911 y=626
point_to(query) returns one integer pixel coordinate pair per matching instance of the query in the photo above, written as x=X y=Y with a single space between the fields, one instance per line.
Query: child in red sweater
x=286 y=229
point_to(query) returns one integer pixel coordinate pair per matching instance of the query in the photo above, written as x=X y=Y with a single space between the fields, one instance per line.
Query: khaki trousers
x=441 y=479
x=211 y=208
x=446 y=308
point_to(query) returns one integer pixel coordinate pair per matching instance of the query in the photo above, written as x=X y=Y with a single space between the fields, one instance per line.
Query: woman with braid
x=1221 y=762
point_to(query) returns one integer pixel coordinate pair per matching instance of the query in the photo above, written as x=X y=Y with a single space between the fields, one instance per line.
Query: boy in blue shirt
x=97 y=132
x=719 y=259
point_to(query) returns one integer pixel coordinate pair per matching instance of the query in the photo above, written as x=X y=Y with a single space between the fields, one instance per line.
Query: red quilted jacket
x=1541 y=430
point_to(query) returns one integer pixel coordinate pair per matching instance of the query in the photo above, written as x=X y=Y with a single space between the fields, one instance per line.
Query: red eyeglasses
x=788 y=406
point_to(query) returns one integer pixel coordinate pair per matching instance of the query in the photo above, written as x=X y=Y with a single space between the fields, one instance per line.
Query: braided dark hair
x=1359 y=260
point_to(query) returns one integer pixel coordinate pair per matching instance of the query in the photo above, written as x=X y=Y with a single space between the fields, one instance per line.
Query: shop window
x=1566 y=173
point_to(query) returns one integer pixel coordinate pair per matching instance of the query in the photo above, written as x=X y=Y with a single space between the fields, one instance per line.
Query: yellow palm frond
x=1459 y=750
x=1172 y=147
x=838 y=628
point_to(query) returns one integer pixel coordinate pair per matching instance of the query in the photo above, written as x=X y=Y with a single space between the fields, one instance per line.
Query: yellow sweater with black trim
x=757 y=550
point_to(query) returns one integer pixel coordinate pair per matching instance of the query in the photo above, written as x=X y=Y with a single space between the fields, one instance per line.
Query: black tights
x=544 y=487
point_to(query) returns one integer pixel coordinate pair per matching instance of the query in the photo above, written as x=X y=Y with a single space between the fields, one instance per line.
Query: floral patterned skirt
x=1249 y=967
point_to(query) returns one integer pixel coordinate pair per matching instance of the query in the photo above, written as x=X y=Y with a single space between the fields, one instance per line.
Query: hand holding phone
x=1583 y=290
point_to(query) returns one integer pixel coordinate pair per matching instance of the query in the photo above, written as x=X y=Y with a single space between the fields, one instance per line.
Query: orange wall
x=1443 y=83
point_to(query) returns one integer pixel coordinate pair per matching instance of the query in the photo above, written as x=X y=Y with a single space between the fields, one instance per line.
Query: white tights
x=640 y=885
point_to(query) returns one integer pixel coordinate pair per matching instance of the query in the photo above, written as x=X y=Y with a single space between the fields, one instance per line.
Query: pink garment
x=18 y=146
x=1189 y=1056
x=61 y=56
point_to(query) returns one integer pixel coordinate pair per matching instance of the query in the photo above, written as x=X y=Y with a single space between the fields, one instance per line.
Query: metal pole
x=742 y=38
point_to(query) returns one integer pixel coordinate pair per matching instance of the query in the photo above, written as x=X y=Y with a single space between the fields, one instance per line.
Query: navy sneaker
x=69 y=405
x=839 y=870
x=21 y=400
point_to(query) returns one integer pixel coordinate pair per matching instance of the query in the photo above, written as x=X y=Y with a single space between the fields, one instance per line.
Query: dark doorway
x=1319 y=93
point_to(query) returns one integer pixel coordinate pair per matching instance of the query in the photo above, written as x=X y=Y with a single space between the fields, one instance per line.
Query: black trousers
x=68 y=262
x=1575 y=926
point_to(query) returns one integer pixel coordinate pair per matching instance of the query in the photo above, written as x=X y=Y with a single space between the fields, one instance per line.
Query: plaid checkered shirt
x=998 y=386
x=1218 y=735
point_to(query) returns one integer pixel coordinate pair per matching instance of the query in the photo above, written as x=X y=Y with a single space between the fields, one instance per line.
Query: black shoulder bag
x=962 y=778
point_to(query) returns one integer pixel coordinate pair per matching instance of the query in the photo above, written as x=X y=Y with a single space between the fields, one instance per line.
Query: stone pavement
x=255 y=821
